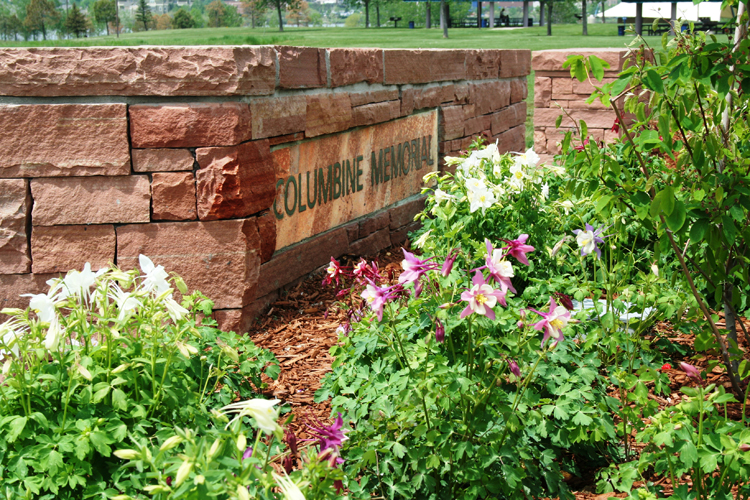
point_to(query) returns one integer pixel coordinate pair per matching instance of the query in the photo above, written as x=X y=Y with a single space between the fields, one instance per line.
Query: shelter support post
x=673 y=17
x=639 y=18
x=492 y=14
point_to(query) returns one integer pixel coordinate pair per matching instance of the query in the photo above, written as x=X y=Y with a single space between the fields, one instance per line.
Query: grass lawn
x=564 y=36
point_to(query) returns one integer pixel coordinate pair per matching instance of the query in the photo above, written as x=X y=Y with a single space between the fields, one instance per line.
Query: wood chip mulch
x=300 y=328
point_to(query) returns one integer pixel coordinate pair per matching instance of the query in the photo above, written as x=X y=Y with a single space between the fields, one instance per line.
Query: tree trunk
x=444 y=17
x=730 y=320
x=377 y=13
x=479 y=14
x=525 y=13
x=541 y=14
x=367 y=13
x=281 y=19
x=604 y=6
x=584 y=18
x=549 y=17
x=428 y=21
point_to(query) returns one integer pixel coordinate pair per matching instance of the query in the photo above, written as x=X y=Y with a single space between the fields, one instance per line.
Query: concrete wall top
x=238 y=70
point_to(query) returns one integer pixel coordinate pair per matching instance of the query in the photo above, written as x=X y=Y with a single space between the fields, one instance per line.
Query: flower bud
x=439 y=331
x=85 y=373
x=678 y=427
x=170 y=443
x=183 y=472
x=448 y=265
x=199 y=479
x=121 y=368
x=745 y=447
x=513 y=367
x=289 y=463
x=242 y=493
x=214 y=448
x=127 y=454
x=291 y=439
x=241 y=442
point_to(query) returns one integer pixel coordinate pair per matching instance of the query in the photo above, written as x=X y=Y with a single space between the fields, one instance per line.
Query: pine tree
x=143 y=14
x=105 y=12
x=41 y=15
x=76 y=21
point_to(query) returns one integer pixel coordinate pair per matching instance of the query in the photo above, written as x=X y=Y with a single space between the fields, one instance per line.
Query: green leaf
x=119 y=400
x=730 y=230
x=582 y=419
x=558 y=121
x=653 y=81
x=667 y=200
x=698 y=231
x=54 y=462
x=737 y=212
x=399 y=450
x=597 y=67
x=101 y=441
x=16 y=427
x=688 y=454
x=676 y=219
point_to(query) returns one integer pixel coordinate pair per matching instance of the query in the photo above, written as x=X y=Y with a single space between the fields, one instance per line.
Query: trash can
x=411 y=25
x=485 y=23
x=621 y=30
x=685 y=27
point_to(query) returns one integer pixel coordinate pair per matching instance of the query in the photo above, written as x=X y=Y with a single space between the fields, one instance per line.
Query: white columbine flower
x=156 y=277
x=586 y=241
x=262 y=410
x=288 y=487
x=79 y=283
x=483 y=199
x=420 y=242
x=126 y=302
x=527 y=159
x=452 y=160
x=567 y=205
x=175 y=310
x=545 y=191
x=473 y=184
x=44 y=304
x=441 y=196
x=54 y=334
x=10 y=332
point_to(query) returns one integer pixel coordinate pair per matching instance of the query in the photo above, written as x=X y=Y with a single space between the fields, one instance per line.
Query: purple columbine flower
x=691 y=371
x=513 y=367
x=248 y=453
x=330 y=437
x=518 y=248
x=439 y=331
x=376 y=297
x=500 y=269
x=481 y=298
x=553 y=321
x=588 y=239
x=414 y=268
x=448 y=264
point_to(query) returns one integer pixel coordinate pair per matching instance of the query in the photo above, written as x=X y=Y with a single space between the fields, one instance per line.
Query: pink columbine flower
x=518 y=248
x=439 y=331
x=330 y=437
x=248 y=453
x=481 y=298
x=376 y=297
x=582 y=146
x=691 y=371
x=448 y=264
x=553 y=321
x=513 y=367
x=500 y=269
x=333 y=271
x=414 y=268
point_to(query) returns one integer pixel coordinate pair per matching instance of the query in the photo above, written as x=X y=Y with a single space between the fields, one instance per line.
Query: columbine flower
x=448 y=264
x=262 y=410
x=333 y=271
x=414 y=268
x=481 y=298
x=691 y=371
x=474 y=184
x=545 y=191
x=441 y=196
x=500 y=269
x=453 y=160
x=439 y=331
x=422 y=240
x=10 y=332
x=330 y=436
x=126 y=302
x=565 y=300
x=582 y=146
x=288 y=487
x=589 y=240
x=513 y=367
x=155 y=278
x=175 y=310
x=79 y=283
x=44 y=304
x=616 y=126
x=553 y=321
x=376 y=297
x=518 y=248
x=567 y=205
x=483 y=199
x=54 y=334
x=528 y=159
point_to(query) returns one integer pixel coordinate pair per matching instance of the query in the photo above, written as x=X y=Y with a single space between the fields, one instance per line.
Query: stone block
x=513 y=140
x=219 y=258
x=301 y=259
x=281 y=139
x=581 y=103
x=518 y=90
x=483 y=64
x=594 y=118
x=403 y=214
x=91 y=200
x=301 y=67
x=173 y=196
x=372 y=244
x=230 y=320
x=428 y=97
x=407 y=101
x=373 y=223
x=540 y=142
x=515 y=63
x=423 y=65
x=400 y=235
x=275 y=116
x=361 y=98
x=138 y=71
x=562 y=86
x=267 y=232
x=461 y=92
x=189 y=125
x=542 y=92
x=586 y=89
x=472 y=126
x=162 y=160
x=327 y=113
x=451 y=122
x=235 y=181
x=46 y=140
x=350 y=66
x=375 y=113
x=552 y=60
x=15 y=207
x=58 y=249
x=490 y=96
x=509 y=117
x=12 y=286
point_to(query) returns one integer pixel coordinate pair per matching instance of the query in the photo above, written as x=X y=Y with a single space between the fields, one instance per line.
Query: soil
x=301 y=327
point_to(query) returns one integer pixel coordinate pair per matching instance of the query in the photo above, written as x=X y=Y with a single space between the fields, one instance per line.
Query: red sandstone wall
x=555 y=89
x=106 y=153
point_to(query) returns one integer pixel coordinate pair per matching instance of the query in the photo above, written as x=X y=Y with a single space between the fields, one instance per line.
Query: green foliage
x=105 y=12
x=41 y=15
x=143 y=14
x=182 y=19
x=93 y=369
x=76 y=21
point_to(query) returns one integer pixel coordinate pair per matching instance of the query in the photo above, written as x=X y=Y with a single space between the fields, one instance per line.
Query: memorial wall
x=242 y=169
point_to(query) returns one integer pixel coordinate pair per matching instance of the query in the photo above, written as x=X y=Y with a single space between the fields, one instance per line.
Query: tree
x=163 y=22
x=354 y=4
x=300 y=14
x=105 y=12
x=583 y=18
x=281 y=5
x=143 y=14
x=255 y=10
x=182 y=20
x=76 y=21
x=215 y=12
x=10 y=26
x=40 y=16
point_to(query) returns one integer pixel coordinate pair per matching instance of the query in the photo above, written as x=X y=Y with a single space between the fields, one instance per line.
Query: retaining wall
x=201 y=157
x=555 y=89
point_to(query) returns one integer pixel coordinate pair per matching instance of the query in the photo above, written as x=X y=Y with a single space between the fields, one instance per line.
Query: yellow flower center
x=585 y=241
x=556 y=324
x=481 y=299
x=519 y=175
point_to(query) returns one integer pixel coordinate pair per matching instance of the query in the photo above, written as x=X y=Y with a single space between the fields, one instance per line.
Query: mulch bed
x=301 y=327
